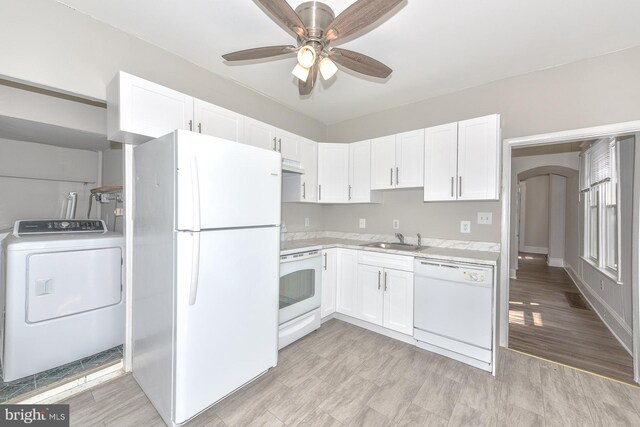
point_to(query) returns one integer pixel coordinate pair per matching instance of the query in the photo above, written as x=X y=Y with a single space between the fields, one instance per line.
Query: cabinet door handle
x=191 y=125
x=452 y=180
x=459 y=186
x=275 y=147
x=320 y=192
x=199 y=127
x=325 y=260
x=391 y=179
x=349 y=192
x=304 y=190
x=397 y=176
x=279 y=145
x=385 y=281
x=379 y=273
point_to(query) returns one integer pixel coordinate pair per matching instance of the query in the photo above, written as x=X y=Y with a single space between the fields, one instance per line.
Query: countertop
x=429 y=252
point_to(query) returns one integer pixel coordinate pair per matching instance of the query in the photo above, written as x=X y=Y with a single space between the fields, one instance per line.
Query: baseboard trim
x=555 y=262
x=375 y=328
x=598 y=305
x=535 y=250
x=513 y=273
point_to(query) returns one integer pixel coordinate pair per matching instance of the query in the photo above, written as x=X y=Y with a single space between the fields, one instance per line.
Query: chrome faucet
x=419 y=240
x=400 y=237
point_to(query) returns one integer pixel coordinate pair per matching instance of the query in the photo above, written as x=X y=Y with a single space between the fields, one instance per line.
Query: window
x=599 y=185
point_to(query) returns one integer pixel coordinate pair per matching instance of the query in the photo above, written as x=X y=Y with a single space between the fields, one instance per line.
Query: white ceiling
x=434 y=46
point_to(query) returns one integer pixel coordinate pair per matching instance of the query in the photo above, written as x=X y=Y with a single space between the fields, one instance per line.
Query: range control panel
x=47 y=226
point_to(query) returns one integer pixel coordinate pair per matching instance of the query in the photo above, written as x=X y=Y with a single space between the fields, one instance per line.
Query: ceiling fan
x=315 y=26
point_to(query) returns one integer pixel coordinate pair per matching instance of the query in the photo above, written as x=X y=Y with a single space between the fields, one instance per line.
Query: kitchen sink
x=393 y=246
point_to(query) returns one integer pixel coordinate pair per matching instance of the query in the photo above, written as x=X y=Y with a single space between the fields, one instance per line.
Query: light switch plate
x=363 y=223
x=306 y=222
x=396 y=224
x=485 y=218
x=465 y=226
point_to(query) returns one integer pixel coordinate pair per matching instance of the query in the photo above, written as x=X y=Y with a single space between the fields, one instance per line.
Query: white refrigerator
x=205 y=269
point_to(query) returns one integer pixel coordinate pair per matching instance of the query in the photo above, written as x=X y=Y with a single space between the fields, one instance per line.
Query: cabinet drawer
x=396 y=262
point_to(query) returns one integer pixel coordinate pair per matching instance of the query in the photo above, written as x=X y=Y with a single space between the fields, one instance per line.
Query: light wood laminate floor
x=544 y=324
x=345 y=375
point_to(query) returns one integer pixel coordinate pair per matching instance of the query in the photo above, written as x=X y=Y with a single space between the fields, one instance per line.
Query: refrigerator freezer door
x=224 y=184
x=227 y=327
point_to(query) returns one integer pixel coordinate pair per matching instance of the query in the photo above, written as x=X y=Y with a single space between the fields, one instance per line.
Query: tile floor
x=345 y=375
x=28 y=384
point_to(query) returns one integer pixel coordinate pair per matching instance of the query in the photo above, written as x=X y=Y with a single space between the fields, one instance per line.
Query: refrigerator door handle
x=195 y=193
x=195 y=267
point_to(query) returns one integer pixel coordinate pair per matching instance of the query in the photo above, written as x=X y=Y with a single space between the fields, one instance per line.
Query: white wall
x=47 y=43
x=572 y=221
x=36 y=178
x=557 y=208
x=536 y=224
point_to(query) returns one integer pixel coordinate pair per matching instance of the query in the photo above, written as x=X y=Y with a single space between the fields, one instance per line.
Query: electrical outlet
x=363 y=223
x=465 y=226
x=396 y=224
x=485 y=218
x=306 y=222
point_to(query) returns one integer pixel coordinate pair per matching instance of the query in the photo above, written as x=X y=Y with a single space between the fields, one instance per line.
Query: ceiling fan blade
x=285 y=14
x=258 y=53
x=357 y=16
x=305 y=88
x=361 y=63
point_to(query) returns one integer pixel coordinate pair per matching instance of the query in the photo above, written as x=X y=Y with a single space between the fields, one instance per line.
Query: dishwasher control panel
x=474 y=276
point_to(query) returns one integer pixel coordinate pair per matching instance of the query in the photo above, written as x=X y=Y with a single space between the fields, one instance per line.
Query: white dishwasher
x=453 y=311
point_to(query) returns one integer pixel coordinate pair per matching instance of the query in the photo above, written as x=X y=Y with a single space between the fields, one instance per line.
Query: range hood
x=291 y=167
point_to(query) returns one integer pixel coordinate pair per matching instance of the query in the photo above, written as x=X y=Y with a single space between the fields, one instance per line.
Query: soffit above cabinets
x=434 y=47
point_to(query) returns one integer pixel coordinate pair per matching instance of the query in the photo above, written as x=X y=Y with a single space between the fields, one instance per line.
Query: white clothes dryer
x=61 y=291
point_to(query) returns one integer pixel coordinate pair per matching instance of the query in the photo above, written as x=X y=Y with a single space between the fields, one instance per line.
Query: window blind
x=600 y=167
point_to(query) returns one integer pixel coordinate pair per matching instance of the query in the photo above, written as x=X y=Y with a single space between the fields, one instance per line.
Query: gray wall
x=587 y=93
x=612 y=300
x=536 y=224
x=572 y=222
x=35 y=180
x=75 y=53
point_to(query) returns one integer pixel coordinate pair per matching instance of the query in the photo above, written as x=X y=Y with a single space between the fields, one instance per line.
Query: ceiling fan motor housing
x=316 y=16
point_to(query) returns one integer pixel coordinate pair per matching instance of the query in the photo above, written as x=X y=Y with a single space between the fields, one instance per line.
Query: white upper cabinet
x=212 y=120
x=441 y=162
x=333 y=173
x=259 y=134
x=303 y=188
x=288 y=144
x=383 y=162
x=263 y=135
x=410 y=159
x=139 y=110
x=478 y=154
x=462 y=160
x=360 y=174
x=397 y=161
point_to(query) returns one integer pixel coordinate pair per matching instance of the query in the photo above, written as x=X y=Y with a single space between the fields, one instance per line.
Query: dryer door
x=66 y=283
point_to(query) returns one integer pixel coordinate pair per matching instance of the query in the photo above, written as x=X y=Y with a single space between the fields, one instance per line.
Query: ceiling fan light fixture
x=301 y=72
x=328 y=68
x=307 y=56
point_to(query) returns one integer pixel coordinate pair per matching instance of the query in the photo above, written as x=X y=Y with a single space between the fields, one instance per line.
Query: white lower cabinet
x=347 y=275
x=398 y=301
x=386 y=297
x=370 y=294
x=329 y=282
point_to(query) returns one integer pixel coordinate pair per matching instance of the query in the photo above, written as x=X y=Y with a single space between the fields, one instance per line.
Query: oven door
x=300 y=281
